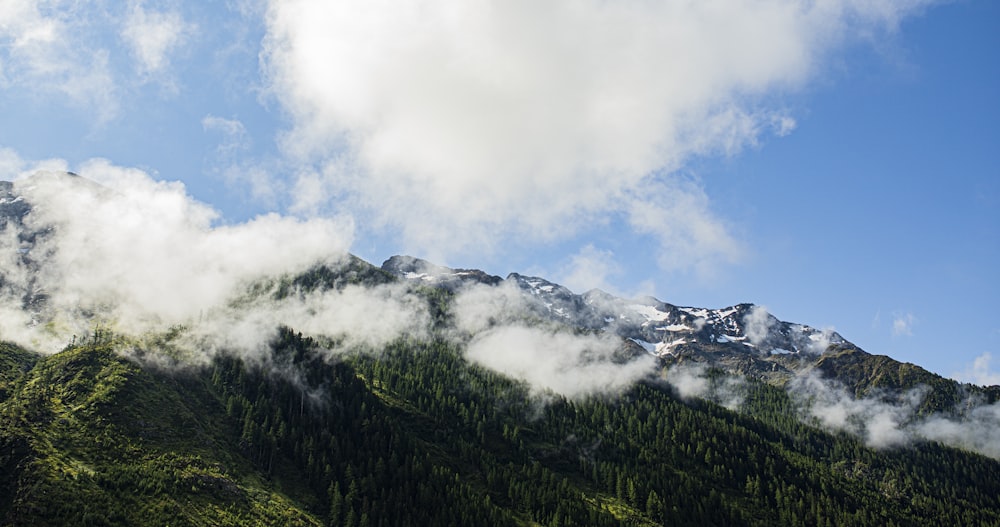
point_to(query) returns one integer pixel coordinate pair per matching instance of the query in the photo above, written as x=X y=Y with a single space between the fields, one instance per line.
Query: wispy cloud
x=980 y=372
x=694 y=380
x=59 y=52
x=235 y=162
x=570 y=364
x=590 y=268
x=41 y=52
x=152 y=36
x=497 y=327
x=902 y=324
x=758 y=323
x=892 y=420
x=13 y=166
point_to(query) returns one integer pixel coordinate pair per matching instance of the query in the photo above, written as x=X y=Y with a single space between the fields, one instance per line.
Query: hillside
x=315 y=388
x=416 y=435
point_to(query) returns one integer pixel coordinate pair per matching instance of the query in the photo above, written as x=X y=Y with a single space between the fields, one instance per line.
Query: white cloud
x=689 y=380
x=497 y=326
x=479 y=307
x=976 y=431
x=459 y=123
x=152 y=36
x=89 y=56
x=231 y=129
x=694 y=380
x=980 y=372
x=902 y=324
x=143 y=255
x=879 y=423
x=758 y=324
x=356 y=317
x=887 y=420
x=43 y=51
x=589 y=269
x=568 y=364
x=14 y=167
x=690 y=235
x=234 y=162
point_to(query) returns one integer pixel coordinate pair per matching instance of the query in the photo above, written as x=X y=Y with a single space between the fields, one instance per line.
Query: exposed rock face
x=744 y=338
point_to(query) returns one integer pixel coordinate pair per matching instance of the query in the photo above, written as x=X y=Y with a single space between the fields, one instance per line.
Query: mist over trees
x=418 y=435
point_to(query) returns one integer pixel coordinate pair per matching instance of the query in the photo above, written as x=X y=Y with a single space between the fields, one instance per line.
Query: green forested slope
x=867 y=374
x=415 y=435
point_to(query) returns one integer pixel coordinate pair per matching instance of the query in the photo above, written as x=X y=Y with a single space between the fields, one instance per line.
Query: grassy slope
x=868 y=375
x=90 y=438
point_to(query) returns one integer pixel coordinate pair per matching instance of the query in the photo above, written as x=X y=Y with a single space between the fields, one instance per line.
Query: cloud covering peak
x=142 y=254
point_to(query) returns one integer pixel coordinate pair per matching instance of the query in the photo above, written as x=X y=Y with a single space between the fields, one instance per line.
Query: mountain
x=419 y=436
x=663 y=329
x=743 y=339
x=345 y=393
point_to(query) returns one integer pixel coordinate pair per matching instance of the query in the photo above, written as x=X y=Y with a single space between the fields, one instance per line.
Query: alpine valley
x=305 y=386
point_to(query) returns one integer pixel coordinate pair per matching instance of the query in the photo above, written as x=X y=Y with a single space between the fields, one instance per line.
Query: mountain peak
x=670 y=332
x=413 y=268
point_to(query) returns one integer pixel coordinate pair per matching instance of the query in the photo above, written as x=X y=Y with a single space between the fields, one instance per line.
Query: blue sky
x=834 y=161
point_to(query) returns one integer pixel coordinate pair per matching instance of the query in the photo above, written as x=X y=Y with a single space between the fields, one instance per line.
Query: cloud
x=498 y=329
x=142 y=255
x=758 y=323
x=41 y=52
x=819 y=342
x=58 y=52
x=14 y=167
x=152 y=36
x=689 y=235
x=234 y=162
x=980 y=372
x=589 y=269
x=878 y=422
x=976 y=431
x=356 y=317
x=453 y=124
x=694 y=380
x=234 y=134
x=137 y=256
x=884 y=421
x=569 y=364
x=902 y=324
x=479 y=308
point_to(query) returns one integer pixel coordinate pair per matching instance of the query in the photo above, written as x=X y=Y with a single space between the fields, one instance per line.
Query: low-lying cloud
x=355 y=317
x=136 y=256
x=758 y=323
x=694 y=380
x=570 y=364
x=150 y=253
x=887 y=421
x=501 y=329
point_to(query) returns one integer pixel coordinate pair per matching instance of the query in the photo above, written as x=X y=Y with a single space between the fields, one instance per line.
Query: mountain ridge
x=743 y=338
x=420 y=437
x=470 y=399
x=675 y=334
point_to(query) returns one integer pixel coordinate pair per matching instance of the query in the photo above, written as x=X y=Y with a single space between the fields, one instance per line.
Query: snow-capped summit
x=412 y=268
x=744 y=333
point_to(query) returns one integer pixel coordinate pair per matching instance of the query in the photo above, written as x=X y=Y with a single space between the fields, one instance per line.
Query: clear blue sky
x=839 y=165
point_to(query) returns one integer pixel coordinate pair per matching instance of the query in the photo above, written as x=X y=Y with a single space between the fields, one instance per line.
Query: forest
x=414 y=434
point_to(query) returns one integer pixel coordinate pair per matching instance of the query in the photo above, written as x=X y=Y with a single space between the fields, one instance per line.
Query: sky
x=836 y=161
